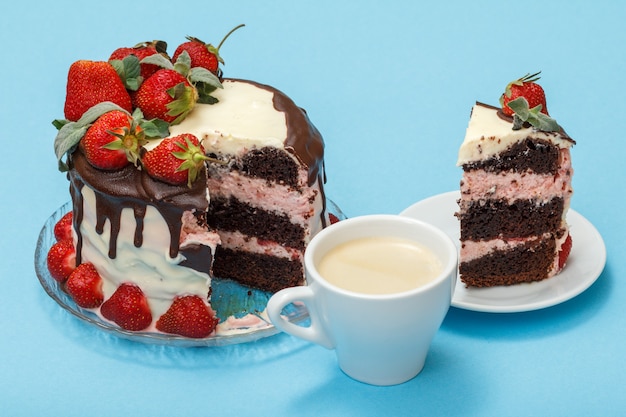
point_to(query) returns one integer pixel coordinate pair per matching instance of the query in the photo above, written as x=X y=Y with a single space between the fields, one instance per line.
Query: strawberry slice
x=85 y=286
x=128 y=308
x=61 y=260
x=63 y=228
x=188 y=316
x=565 y=251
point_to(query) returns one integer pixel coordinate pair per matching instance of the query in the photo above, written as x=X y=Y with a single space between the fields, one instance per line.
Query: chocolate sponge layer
x=490 y=219
x=526 y=263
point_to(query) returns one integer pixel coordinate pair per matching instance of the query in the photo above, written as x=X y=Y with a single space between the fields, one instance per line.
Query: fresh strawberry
x=142 y=50
x=565 y=251
x=166 y=95
x=85 y=286
x=203 y=54
x=524 y=87
x=176 y=160
x=113 y=141
x=63 y=228
x=128 y=307
x=61 y=260
x=90 y=83
x=188 y=316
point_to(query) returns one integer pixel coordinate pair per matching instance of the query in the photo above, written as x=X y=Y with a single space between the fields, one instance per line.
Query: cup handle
x=313 y=333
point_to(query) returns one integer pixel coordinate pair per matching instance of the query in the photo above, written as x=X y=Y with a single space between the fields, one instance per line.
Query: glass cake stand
x=241 y=309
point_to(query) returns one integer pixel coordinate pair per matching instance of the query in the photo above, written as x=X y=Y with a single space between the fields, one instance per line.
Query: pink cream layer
x=510 y=186
x=271 y=197
x=240 y=242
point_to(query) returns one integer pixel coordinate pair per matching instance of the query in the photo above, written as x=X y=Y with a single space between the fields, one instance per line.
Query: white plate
x=583 y=267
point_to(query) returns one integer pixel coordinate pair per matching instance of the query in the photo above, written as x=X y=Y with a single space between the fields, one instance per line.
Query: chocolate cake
x=225 y=180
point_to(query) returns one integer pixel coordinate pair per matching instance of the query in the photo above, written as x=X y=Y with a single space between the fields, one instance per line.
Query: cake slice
x=515 y=191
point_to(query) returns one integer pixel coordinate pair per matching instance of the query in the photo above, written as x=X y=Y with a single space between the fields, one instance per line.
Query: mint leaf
x=159 y=60
x=203 y=75
x=533 y=116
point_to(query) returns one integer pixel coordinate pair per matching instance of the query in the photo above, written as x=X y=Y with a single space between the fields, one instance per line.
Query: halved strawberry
x=565 y=251
x=63 y=228
x=128 y=307
x=61 y=260
x=85 y=286
x=188 y=316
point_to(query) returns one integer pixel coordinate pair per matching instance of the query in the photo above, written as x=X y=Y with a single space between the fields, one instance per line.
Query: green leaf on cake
x=533 y=116
x=129 y=70
x=70 y=133
x=158 y=60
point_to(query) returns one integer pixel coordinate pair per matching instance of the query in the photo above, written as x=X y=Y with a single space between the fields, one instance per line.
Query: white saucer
x=584 y=266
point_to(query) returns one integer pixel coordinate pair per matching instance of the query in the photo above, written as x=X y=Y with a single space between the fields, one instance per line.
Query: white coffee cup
x=379 y=339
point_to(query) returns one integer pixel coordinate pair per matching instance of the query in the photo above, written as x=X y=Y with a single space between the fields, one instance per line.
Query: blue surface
x=390 y=87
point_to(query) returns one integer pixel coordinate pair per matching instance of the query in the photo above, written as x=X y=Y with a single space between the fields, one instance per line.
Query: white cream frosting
x=487 y=135
x=243 y=118
x=146 y=266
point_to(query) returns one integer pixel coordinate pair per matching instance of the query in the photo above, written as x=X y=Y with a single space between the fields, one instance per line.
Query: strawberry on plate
x=565 y=251
x=128 y=308
x=84 y=285
x=176 y=160
x=63 y=228
x=61 y=260
x=90 y=83
x=188 y=316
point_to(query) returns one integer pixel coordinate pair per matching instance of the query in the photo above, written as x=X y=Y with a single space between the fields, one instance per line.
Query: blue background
x=390 y=85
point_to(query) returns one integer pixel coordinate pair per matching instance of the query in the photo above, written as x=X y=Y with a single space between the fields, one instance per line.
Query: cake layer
x=479 y=184
x=538 y=156
x=531 y=261
x=488 y=219
x=234 y=215
x=269 y=196
x=256 y=270
x=490 y=133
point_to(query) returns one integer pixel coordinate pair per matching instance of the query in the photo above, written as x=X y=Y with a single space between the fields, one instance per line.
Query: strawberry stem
x=228 y=34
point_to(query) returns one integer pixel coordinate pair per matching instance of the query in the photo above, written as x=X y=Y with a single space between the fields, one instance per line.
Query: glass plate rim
x=53 y=290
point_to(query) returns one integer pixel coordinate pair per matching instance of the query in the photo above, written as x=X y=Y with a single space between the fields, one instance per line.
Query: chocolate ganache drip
x=131 y=188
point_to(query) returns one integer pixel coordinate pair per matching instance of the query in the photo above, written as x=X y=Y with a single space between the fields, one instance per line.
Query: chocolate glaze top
x=303 y=139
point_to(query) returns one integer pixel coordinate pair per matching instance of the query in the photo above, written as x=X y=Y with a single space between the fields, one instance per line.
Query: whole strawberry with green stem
x=113 y=141
x=115 y=135
x=90 y=83
x=176 y=160
x=526 y=87
x=203 y=54
x=525 y=100
x=172 y=92
x=141 y=51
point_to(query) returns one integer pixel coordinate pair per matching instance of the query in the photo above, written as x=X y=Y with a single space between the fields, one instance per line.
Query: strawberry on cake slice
x=515 y=191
